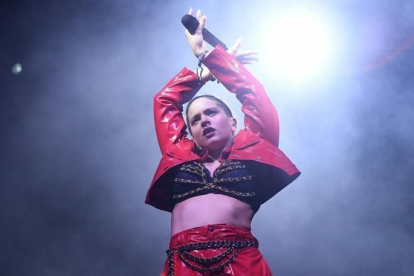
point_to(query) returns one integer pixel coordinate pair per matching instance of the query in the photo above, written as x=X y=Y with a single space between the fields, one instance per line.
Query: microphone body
x=191 y=24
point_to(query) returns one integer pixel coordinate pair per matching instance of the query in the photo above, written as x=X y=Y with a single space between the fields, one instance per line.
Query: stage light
x=299 y=45
x=17 y=68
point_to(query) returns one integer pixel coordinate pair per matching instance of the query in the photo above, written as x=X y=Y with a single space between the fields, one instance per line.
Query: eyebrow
x=192 y=118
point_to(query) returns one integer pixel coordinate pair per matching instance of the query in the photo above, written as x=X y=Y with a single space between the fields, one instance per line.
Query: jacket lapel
x=245 y=139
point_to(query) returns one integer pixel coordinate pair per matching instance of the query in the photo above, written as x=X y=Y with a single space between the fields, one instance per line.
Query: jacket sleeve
x=168 y=106
x=260 y=114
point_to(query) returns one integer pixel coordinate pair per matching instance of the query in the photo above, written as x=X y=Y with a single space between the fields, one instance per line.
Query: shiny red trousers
x=217 y=249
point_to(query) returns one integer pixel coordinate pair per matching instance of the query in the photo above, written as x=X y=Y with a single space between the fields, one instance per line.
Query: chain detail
x=213 y=264
x=204 y=184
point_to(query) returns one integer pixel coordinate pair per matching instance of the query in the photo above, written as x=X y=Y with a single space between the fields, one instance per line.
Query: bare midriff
x=210 y=209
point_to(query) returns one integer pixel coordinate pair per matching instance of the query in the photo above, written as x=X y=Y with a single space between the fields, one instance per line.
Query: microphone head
x=190 y=23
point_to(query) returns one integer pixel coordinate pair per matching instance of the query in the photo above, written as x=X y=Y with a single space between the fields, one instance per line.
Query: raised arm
x=168 y=107
x=260 y=114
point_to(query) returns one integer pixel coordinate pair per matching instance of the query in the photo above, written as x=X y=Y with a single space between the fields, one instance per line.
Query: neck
x=214 y=156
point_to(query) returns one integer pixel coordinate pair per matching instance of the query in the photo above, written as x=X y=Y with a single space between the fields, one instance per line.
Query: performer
x=214 y=182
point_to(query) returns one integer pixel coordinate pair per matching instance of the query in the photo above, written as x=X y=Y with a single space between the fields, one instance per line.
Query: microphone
x=191 y=24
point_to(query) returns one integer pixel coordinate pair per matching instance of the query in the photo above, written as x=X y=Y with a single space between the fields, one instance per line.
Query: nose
x=205 y=121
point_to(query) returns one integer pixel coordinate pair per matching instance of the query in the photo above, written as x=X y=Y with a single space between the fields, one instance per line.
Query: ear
x=233 y=123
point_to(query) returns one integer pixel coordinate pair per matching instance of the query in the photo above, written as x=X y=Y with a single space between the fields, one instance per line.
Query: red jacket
x=258 y=141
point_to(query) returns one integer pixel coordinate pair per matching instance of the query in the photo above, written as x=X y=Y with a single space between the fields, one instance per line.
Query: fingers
x=246 y=53
x=238 y=43
x=201 y=19
x=202 y=22
x=246 y=56
x=195 y=40
x=247 y=60
x=233 y=49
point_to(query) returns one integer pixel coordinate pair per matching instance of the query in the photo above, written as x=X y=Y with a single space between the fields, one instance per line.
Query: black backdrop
x=78 y=149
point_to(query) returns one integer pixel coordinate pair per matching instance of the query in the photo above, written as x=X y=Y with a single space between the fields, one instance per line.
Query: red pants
x=217 y=249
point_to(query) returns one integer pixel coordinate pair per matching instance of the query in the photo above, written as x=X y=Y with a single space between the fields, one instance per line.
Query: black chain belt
x=214 y=264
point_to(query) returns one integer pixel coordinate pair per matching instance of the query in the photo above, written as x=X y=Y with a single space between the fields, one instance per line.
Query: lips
x=207 y=131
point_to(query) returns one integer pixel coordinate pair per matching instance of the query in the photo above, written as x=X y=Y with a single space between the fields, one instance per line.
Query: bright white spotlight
x=299 y=45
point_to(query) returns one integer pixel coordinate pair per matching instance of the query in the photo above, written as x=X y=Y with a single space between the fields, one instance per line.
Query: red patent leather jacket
x=258 y=141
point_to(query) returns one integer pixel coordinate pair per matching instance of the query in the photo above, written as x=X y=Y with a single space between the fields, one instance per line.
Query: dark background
x=78 y=147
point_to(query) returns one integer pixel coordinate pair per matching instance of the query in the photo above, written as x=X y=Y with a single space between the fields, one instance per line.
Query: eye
x=212 y=112
x=195 y=120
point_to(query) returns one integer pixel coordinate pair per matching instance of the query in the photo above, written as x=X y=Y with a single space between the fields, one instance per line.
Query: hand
x=243 y=56
x=196 y=41
x=197 y=45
